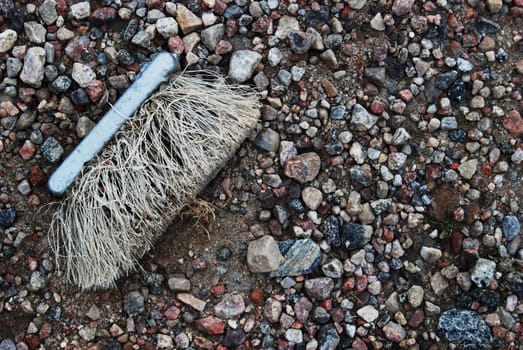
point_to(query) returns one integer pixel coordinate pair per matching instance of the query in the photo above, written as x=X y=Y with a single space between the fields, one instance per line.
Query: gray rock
x=357 y=4
x=13 y=67
x=449 y=123
x=312 y=197
x=167 y=27
x=415 y=296
x=52 y=150
x=268 y=140
x=328 y=337
x=83 y=126
x=24 y=187
x=468 y=169
x=82 y=74
x=482 y=272
x=134 y=303
x=333 y=268
x=48 y=12
x=300 y=42
x=179 y=284
x=61 y=84
x=272 y=309
x=33 y=70
x=511 y=227
x=465 y=328
x=396 y=160
x=35 y=32
x=319 y=288
x=87 y=333
x=402 y=7
x=274 y=56
x=81 y=10
x=242 y=65
x=211 y=36
x=263 y=255
x=142 y=39
x=400 y=137
x=300 y=257
x=368 y=313
x=361 y=119
x=7 y=40
x=286 y=24
x=37 y=281
x=430 y=255
x=394 y=332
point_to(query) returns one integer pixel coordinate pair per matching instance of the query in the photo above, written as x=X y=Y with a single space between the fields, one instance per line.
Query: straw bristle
x=162 y=158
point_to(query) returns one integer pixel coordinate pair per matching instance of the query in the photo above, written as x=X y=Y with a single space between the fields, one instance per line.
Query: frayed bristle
x=162 y=158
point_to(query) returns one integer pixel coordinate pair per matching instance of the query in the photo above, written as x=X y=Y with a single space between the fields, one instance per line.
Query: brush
x=120 y=195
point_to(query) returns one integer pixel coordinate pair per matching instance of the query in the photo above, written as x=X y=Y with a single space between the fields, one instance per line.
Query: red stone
x=203 y=343
x=377 y=106
x=261 y=25
x=257 y=296
x=329 y=88
x=103 y=15
x=514 y=123
x=223 y=47
x=405 y=95
x=172 y=313
x=32 y=341
x=359 y=344
x=361 y=283
x=303 y=167
x=36 y=175
x=218 y=289
x=432 y=171
x=175 y=45
x=456 y=239
x=417 y=318
x=27 y=151
x=210 y=325
x=45 y=331
x=95 y=90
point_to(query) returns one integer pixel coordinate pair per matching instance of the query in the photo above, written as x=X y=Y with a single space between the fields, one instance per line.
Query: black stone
x=233 y=338
x=457 y=135
x=233 y=11
x=354 y=236
x=334 y=148
x=296 y=205
x=328 y=337
x=321 y=315
x=444 y=80
x=487 y=297
x=124 y=57
x=456 y=91
x=79 y=97
x=330 y=227
x=130 y=30
x=17 y=21
x=394 y=68
x=61 y=84
x=487 y=26
x=7 y=217
x=224 y=254
x=54 y=313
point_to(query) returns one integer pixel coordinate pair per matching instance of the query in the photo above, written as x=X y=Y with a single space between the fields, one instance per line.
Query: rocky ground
x=376 y=206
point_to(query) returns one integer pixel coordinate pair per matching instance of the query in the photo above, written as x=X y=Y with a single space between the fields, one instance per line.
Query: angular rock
x=355 y=236
x=468 y=169
x=192 y=301
x=167 y=27
x=242 y=65
x=210 y=325
x=482 y=272
x=402 y=7
x=211 y=36
x=268 y=140
x=263 y=255
x=82 y=74
x=368 y=313
x=303 y=167
x=231 y=306
x=330 y=227
x=430 y=255
x=465 y=328
x=415 y=296
x=328 y=337
x=35 y=32
x=80 y=10
x=33 y=70
x=134 y=303
x=300 y=42
x=7 y=217
x=394 y=332
x=7 y=40
x=272 y=309
x=179 y=284
x=511 y=227
x=361 y=119
x=319 y=288
x=286 y=24
x=300 y=257
x=52 y=150
x=187 y=20
x=48 y=12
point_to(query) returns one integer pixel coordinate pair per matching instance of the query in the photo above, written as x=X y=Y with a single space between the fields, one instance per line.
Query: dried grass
x=126 y=197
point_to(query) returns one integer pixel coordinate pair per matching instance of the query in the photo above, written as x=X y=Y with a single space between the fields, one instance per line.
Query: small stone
x=400 y=137
x=83 y=126
x=35 y=32
x=192 y=301
x=355 y=236
x=87 y=333
x=52 y=150
x=210 y=325
x=319 y=288
x=444 y=80
x=231 y=306
x=415 y=296
x=7 y=344
x=187 y=20
x=483 y=272
x=164 y=341
x=7 y=40
x=394 y=332
x=142 y=39
x=33 y=70
x=511 y=227
x=61 y=84
x=167 y=27
x=303 y=167
x=82 y=74
x=103 y=15
x=179 y=284
x=328 y=337
x=242 y=65
x=300 y=42
x=337 y=112
x=514 y=123
x=468 y=169
x=263 y=255
x=211 y=36
x=7 y=217
x=24 y=187
x=361 y=119
x=430 y=255
x=300 y=257
x=134 y=303
x=377 y=22
x=439 y=283
x=286 y=24
x=37 y=281
x=294 y=336
x=81 y=10
x=272 y=309
x=333 y=268
x=79 y=97
x=94 y=313
x=368 y=313
x=47 y=12
x=494 y=5
x=402 y=7
x=312 y=197
x=465 y=328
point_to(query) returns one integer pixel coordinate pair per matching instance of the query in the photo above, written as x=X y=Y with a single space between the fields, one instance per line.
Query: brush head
x=169 y=150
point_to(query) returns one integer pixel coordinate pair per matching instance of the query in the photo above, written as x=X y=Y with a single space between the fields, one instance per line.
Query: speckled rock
x=300 y=257
x=243 y=63
x=33 y=71
x=7 y=40
x=465 y=328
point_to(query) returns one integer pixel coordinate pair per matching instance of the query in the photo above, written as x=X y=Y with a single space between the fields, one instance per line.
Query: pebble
x=300 y=42
x=368 y=313
x=268 y=140
x=328 y=337
x=483 y=272
x=394 y=332
x=303 y=167
x=263 y=255
x=511 y=227
x=52 y=150
x=243 y=63
x=300 y=257
x=134 y=303
x=319 y=288
x=47 y=12
x=80 y=10
x=468 y=168
x=361 y=119
x=167 y=27
x=87 y=333
x=33 y=69
x=286 y=24
x=7 y=217
x=312 y=197
x=354 y=236
x=337 y=112
x=82 y=74
x=211 y=36
x=333 y=268
x=402 y=7
x=231 y=306
x=192 y=301
x=415 y=296
x=430 y=254
x=465 y=328
x=438 y=283
x=7 y=40
x=187 y=20
x=35 y=32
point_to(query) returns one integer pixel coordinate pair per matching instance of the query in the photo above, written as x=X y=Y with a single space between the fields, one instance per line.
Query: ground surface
x=388 y=155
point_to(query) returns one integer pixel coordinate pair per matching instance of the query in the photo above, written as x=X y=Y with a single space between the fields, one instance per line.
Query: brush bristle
x=162 y=158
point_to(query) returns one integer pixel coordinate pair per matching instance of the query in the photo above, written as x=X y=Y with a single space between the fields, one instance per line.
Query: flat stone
x=439 y=283
x=7 y=40
x=394 y=332
x=242 y=65
x=142 y=39
x=231 y=306
x=272 y=309
x=167 y=27
x=80 y=10
x=210 y=325
x=465 y=328
x=94 y=313
x=300 y=257
x=268 y=140
x=192 y=301
x=83 y=126
x=179 y=284
x=263 y=255
x=319 y=288
x=368 y=313
x=187 y=20
x=483 y=272
x=35 y=32
x=33 y=70
x=361 y=119
x=303 y=167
